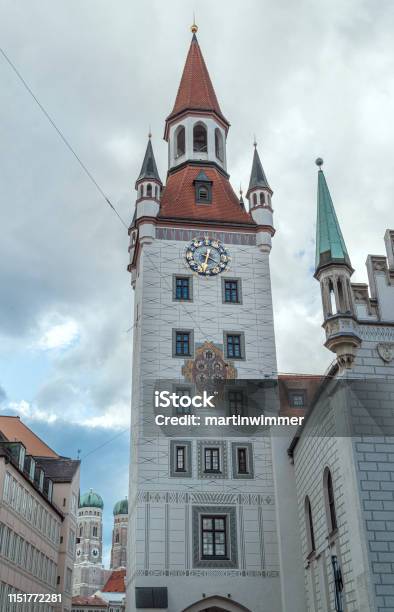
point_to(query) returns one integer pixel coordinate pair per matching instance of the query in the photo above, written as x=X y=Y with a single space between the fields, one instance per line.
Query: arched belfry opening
x=216 y=604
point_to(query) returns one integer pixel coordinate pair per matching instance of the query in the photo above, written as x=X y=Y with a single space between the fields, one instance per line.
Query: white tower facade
x=89 y=574
x=202 y=516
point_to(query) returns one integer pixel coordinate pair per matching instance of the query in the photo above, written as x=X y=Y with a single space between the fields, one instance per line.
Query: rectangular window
x=68 y=579
x=297 y=399
x=234 y=349
x=211 y=460
x=213 y=537
x=236 y=402
x=182 y=392
x=182 y=289
x=180 y=459
x=242 y=457
x=182 y=343
x=231 y=292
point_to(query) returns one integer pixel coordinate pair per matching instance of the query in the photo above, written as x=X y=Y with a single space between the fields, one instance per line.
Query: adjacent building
x=38 y=503
x=343 y=456
x=114 y=591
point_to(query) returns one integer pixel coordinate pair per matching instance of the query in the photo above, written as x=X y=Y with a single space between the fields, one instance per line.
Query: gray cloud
x=3 y=395
x=307 y=81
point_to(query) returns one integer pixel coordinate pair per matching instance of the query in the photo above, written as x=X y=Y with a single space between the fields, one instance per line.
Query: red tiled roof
x=179 y=202
x=195 y=89
x=13 y=428
x=93 y=600
x=115 y=583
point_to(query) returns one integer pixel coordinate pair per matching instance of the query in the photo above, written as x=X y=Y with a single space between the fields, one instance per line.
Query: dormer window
x=180 y=142
x=203 y=188
x=200 y=138
x=203 y=194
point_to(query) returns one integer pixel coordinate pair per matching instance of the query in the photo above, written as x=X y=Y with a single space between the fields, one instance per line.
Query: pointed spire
x=241 y=199
x=330 y=245
x=257 y=176
x=195 y=90
x=149 y=168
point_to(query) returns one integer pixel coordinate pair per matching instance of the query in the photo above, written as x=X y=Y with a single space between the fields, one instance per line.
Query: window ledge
x=332 y=537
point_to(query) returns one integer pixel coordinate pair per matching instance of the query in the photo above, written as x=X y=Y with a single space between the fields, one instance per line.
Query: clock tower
x=89 y=574
x=202 y=516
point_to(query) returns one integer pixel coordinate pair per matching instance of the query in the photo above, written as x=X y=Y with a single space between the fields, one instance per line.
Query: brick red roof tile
x=115 y=583
x=179 y=202
x=92 y=601
x=195 y=90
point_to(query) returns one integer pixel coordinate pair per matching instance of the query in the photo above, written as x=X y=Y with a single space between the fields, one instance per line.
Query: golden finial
x=150 y=133
x=194 y=27
x=254 y=141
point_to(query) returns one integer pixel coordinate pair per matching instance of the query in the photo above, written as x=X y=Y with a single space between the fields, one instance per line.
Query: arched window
x=333 y=302
x=341 y=297
x=180 y=141
x=254 y=199
x=80 y=531
x=156 y=192
x=200 y=139
x=329 y=501
x=310 y=535
x=141 y=191
x=262 y=199
x=94 y=531
x=219 y=149
x=149 y=190
x=117 y=538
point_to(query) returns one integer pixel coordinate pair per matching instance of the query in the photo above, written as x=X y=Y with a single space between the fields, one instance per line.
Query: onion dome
x=91 y=500
x=121 y=507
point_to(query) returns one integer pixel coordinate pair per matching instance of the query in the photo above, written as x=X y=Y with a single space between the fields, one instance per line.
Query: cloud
x=58 y=336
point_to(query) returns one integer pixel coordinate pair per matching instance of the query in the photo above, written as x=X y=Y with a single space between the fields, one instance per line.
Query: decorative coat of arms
x=208 y=369
x=386 y=351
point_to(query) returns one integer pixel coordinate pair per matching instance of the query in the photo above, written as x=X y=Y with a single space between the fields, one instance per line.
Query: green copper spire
x=330 y=245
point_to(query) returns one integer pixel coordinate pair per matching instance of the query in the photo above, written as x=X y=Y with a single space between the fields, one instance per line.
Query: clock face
x=207 y=257
x=95 y=552
x=79 y=552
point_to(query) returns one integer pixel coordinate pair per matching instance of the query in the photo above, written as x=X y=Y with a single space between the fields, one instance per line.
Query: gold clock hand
x=205 y=264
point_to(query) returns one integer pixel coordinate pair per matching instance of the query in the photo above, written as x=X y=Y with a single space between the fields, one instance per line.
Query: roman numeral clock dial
x=207 y=257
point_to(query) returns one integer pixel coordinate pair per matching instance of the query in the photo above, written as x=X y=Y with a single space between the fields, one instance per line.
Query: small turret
x=259 y=195
x=148 y=184
x=333 y=271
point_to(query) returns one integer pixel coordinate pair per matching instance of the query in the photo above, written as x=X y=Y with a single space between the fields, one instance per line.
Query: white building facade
x=202 y=515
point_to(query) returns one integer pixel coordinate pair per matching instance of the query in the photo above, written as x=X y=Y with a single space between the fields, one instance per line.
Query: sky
x=307 y=79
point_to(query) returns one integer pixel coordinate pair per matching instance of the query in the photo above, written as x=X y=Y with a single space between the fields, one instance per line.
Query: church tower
x=202 y=515
x=88 y=575
x=119 y=535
